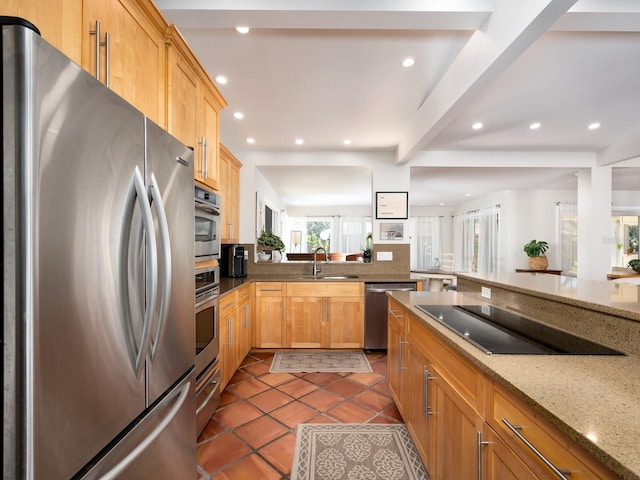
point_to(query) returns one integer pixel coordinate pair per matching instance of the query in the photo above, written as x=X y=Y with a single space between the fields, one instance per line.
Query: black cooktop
x=498 y=331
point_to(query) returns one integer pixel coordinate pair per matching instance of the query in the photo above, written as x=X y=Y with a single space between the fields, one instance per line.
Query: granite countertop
x=607 y=297
x=229 y=284
x=592 y=399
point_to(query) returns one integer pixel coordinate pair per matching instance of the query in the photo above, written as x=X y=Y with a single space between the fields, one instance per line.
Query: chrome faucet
x=315 y=260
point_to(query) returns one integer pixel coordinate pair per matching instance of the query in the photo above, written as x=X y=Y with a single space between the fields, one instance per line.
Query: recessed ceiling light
x=594 y=126
x=442 y=204
x=347 y=141
x=242 y=30
x=467 y=194
x=221 y=79
x=238 y=115
x=299 y=141
x=408 y=62
x=535 y=125
x=477 y=126
x=251 y=140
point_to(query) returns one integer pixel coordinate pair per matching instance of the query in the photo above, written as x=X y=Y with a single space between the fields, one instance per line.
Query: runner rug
x=296 y=362
x=346 y=451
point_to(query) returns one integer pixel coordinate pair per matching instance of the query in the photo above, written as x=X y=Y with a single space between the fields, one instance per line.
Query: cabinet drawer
x=559 y=450
x=463 y=376
x=270 y=289
x=325 y=289
x=227 y=301
x=244 y=294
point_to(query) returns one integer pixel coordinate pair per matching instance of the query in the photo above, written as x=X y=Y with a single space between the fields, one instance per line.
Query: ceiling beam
x=511 y=29
x=329 y=14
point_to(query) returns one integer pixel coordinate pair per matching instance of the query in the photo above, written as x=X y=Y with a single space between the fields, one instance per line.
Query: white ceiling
x=326 y=70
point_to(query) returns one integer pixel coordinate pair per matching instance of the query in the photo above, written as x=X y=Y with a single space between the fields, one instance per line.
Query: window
x=425 y=241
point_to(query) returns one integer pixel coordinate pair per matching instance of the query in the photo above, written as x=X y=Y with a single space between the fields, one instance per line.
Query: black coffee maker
x=233 y=261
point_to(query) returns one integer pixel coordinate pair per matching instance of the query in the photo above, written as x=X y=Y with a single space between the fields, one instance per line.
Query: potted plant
x=367 y=251
x=536 y=250
x=268 y=242
x=635 y=264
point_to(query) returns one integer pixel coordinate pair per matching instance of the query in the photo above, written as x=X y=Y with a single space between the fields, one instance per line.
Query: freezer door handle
x=144 y=444
x=137 y=353
x=165 y=256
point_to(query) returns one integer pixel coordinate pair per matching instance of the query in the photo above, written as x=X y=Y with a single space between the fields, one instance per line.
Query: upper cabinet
x=230 y=191
x=123 y=45
x=193 y=108
x=60 y=23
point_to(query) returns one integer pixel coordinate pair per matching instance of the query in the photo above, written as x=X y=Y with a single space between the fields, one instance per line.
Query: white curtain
x=347 y=234
x=567 y=228
x=476 y=240
x=425 y=241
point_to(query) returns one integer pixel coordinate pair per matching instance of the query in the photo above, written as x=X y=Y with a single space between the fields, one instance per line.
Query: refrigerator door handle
x=137 y=353
x=165 y=257
x=142 y=446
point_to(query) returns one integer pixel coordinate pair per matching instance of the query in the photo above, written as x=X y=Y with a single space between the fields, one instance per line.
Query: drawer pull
x=395 y=315
x=479 y=444
x=561 y=474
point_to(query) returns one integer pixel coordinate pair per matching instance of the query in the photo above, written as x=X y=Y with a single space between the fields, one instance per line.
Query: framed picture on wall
x=392 y=205
x=391 y=231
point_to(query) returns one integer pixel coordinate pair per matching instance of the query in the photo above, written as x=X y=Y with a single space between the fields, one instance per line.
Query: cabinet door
x=228 y=339
x=244 y=322
x=136 y=62
x=419 y=414
x=208 y=162
x=60 y=23
x=455 y=435
x=306 y=321
x=346 y=322
x=396 y=363
x=182 y=96
x=500 y=462
x=269 y=329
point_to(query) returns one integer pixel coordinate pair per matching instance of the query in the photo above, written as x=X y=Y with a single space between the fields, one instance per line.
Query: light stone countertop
x=594 y=400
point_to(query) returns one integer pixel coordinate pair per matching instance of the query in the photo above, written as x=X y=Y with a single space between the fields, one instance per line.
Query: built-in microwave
x=207 y=224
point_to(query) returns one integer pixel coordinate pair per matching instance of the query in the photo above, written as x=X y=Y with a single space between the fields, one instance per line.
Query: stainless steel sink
x=324 y=277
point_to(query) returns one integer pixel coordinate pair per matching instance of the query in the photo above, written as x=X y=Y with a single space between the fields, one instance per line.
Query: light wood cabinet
x=325 y=315
x=228 y=328
x=193 y=108
x=245 y=301
x=270 y=331
x=230 y=191
x=135 y=67
x=516 y=424
x=456 y=416
x=60 y=23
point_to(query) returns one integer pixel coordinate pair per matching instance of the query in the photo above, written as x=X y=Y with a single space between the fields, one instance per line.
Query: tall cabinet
x=193 y=108
x=230 y=190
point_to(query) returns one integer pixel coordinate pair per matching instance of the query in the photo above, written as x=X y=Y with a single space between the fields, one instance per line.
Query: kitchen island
x=592 y=400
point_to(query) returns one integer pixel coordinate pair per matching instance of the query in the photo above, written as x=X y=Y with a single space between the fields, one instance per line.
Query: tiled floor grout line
x=237 y=401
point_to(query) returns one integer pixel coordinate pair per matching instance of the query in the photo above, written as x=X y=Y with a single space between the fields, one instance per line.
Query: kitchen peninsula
x=589 y=403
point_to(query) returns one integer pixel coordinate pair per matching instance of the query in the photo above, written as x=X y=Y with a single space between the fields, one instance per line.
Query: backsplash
x=398 y=266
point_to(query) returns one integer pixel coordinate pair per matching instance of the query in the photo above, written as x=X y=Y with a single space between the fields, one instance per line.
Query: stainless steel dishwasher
x=375 y=312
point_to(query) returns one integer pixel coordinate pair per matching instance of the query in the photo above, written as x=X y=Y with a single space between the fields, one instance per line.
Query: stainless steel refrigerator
x=98 y=292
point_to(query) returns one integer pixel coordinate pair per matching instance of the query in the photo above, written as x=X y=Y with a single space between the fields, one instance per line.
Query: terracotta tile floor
x=252 y=435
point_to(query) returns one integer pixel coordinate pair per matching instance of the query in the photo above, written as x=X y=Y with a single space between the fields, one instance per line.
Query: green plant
x=268 y=239
x=635 y=264
x=367 y=250
x=536 y=248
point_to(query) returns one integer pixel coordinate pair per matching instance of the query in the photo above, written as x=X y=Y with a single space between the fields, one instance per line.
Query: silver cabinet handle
x=479 y=444
x=246 y=316
x=107 y=44
x=425 y=390
x=229 y=331
x=209 y=396
x=96 y=46
x=395 y=315
x=165 y=255
x=400 y=362
x=202 y=158
x=142 y=446
x=561 y=474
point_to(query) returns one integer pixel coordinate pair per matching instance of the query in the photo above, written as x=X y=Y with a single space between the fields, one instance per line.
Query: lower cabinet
x=466 y=426
x=234 y=331
x=269 y=317
x=309 y=315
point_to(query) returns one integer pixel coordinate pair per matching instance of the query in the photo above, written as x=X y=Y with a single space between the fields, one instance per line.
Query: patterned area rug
x=285 y=362
x=355 y=451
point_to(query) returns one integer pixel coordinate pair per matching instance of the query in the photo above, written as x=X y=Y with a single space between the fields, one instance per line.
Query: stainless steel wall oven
x=207 y=224
x=207 y=281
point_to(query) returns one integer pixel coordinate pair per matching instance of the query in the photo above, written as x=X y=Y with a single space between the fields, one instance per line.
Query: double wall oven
x=207 y=283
